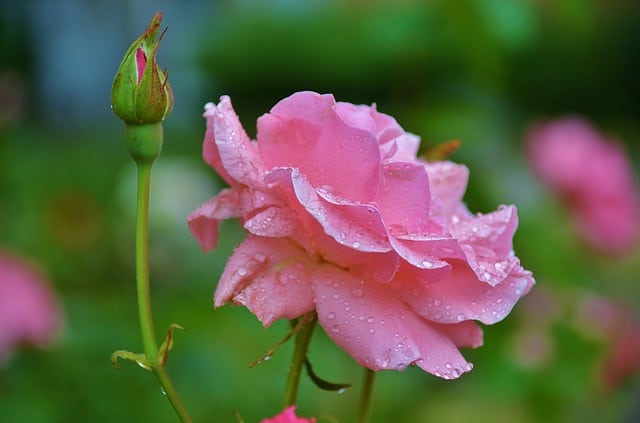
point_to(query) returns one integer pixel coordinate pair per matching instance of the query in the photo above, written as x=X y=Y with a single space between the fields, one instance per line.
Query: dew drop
x=163 y=392
x=143 y=365
x=267 y=358
x=427 y=264
x=242 y=271
x=448 y=365
x=283 y=279
x=461 y=317
x=372 y=331
x=370 y=320
x=331 y=315
x=341 y=390
x=356 y=244
x=437 y=302
x=455 y=373
x=357 y=292
x=259 y=257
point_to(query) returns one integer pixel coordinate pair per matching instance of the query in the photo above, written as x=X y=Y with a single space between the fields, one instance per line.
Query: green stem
x=144 y=291
x=366 y=396
x=303 y=338
x=142 y=263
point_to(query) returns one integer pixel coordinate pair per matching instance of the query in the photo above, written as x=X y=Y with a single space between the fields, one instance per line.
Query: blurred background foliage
x=479 y=71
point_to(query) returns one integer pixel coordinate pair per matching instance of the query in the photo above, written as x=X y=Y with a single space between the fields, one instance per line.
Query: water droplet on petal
x=461 y=317
x=427 y=264
x=448 y=365
x=455 y=373
x=437 y=302
x=357 y=292
x=370 y=320
x=331 y=315
x=259 y=257
x=242 y=271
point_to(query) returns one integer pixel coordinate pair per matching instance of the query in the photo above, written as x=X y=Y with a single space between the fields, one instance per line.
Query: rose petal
x=359 y=226
x=379 y=331
x=272 y=222
x=238 y=154
x=256 y=268
x=448 y=182
x=461 y=295
x=305 y=132
x=279 y=291
x=203 y=222
x=404 y=198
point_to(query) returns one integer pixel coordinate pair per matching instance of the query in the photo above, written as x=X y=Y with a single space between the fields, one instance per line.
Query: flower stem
x=366 y=396
x=303 y=337
x=144 y=291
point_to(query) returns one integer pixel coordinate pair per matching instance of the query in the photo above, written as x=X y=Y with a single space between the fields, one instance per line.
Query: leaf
x=321 y=383
x=296 y=326
x=139 y=359
x=167 y=344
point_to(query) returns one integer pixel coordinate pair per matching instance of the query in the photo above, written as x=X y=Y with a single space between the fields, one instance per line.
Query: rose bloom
x=288 y=416
x=593 y=177
x=343 y=219
x=29 y=311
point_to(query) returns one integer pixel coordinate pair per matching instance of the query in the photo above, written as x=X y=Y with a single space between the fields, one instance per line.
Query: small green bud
x=141 y=92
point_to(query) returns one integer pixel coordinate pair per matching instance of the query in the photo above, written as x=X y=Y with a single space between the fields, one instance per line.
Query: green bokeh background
x=480 y=71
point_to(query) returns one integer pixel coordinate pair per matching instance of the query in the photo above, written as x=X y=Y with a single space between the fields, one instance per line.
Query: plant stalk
x=303 y=337
x=144 y=291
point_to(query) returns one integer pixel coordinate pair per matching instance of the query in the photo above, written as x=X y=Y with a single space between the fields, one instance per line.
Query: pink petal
x=305 y=132
x=404 y=197
x=402 y=148
x=357 y=116
x=272 y=222
x=464 y=334
x=358 y=226
x=461 y=295
x=487 y=241
x=288 y=416
x=427 y=251
x=379 y=331
x=448 y=182
x=210 y=152
x=203 y=222
x=238 y=154
x=268 y=275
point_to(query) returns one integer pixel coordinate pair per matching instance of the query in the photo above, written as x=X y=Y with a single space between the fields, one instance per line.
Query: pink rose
x=343 y=219
x=288 y=416
x=29 y=312
x=593 y=177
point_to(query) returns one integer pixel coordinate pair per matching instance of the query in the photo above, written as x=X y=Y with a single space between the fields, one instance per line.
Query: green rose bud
x=141 y=93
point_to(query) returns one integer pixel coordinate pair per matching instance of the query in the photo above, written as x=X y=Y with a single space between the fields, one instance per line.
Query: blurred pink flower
x=29 y=311
x=288 y=416
x=342 y=218
x=617 y=324
x=593 y=177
